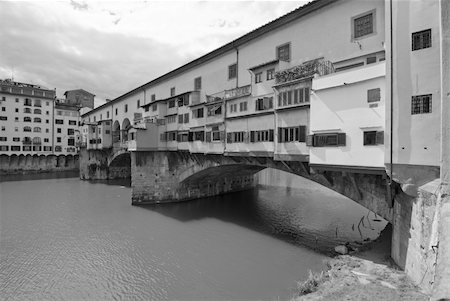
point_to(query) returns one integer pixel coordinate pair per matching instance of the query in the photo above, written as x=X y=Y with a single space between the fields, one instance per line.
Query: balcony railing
x=238 y=92
x=215 y=97
x=307 y=69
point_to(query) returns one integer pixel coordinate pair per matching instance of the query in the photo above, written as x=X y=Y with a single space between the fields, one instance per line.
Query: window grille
x=421 y=40
x=284 y=52
x=363 y=26
x=421 y=104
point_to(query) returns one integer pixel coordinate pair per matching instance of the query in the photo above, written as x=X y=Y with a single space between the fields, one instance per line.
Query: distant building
x=33 y=121
x=80 y=98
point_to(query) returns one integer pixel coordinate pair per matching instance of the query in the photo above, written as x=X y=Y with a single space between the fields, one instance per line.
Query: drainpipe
x=237 y=67
x=392 y=105
x=53 y=126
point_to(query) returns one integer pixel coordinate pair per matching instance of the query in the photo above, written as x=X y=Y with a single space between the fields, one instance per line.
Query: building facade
x=34 y=122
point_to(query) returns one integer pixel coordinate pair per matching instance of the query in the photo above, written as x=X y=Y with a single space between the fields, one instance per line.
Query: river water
x=66 y=239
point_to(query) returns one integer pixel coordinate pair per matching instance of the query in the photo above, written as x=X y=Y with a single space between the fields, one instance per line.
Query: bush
x=310 y=285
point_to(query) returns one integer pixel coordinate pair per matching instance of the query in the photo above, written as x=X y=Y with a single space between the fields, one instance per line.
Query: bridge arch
x=119 y=165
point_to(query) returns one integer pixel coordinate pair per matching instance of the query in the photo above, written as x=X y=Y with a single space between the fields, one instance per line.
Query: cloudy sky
x=111 y=47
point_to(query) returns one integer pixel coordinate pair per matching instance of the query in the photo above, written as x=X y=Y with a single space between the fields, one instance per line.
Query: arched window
x=27 y=119
x=37 y=119
x=37 y=102
x=37 y=129
x=26 y=140
x=37 y=140
x=27 y=128
x=37 y=111
x=27 y=110
x=58 y=148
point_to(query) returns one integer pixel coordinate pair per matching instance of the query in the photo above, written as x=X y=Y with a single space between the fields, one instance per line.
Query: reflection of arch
x=125 y=127
x=116 y=132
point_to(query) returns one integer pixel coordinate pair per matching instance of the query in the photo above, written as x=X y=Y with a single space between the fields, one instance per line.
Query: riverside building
x=34 y=122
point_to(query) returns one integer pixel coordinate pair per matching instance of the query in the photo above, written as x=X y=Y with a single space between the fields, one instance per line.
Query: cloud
x=78 y=5
x=105 y=50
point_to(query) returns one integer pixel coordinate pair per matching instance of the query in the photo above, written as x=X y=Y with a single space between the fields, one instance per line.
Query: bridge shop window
x=292 y=134
x=363 y=25
x=233 y=107
x=172 y=119
x=198 y=113
x=421 y=104
x=215 y=110
x=235 y=137
x=198 y=135
x=172 y=91
x=295 y=96
x=421 y=39
x=4 y=148
x=329 y=139
x=261 y=136
x=183 y=100
x=243 y=106
x=264 y=103
x=284 y=52
x=154 y=107
x=373 y=137
x=183 y=137
x=15 y=148
x=270 y=74
x=171 y=103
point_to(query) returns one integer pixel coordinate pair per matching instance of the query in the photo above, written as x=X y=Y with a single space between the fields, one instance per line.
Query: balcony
x=305 y=70
x=216 y=97
x=238 y=92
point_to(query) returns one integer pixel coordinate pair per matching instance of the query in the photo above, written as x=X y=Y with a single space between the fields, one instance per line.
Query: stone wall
x=37 y=163
x=94 y=165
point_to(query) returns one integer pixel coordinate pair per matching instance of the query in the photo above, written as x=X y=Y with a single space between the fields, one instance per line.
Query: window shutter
x=279 y=134
x=270 y=135
x=222 y=135
x=279 y=99
x=246 y=137
x=309 y=140
x=380 y=137
x=306 y=94
x=208 y=136
x=191 y=136
x=228 y=137
x=302 y=136
x=341 y=139
x=252 y=136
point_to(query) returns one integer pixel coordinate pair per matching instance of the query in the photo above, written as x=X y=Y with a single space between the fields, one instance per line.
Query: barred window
x=284 y=52
x=363 y=25
x=421 y=39
x=421 y=104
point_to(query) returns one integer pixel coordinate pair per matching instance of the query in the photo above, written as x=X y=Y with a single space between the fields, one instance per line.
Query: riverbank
x=367 y=275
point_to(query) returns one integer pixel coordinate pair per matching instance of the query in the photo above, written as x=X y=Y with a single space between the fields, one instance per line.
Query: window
x=17 y=100
x=3 y=128
x=15 y=119
x=117 y=111
x=261 y=136
x=37 y=120
x=371 y=60
x=27 y=110
x=58 y=148
x=373 y=95
x=270 y=74
x=59 y=121
x=373 y=138
x=3 y=109
x=59 y=113
x=172 y=91
x=198 y=136
x=47 y=112
x=232 y=71
x=16 y=129
x=154 y=107
x=233 y=107
x=58 y=139
x=70 y=132
x=46 y=140
x=71 y=142
x=421 y=104
x=58 y=130
x=37 y=129
x=234 y=137
x=4 y=148
x=171 y=103
x=421 y=40
x=27 y=128
x=284 y=52
x=16 y=110
x=138 y=104
x=26 y=148
x=264 y=103
x=258 y=77
x=3 y=139
x=180 y=118
x=16 y=139
x=27 y=102
x=171 y=119
x=215 y=110
x=363 y=25
x=72 y=122
x=125 y=108
x=47 y=121
x=198 y=83
x=15 y=148
x=291 y=134
x=107 y=115
x=37 y=102
x=330 y=139
x=243 y=106
x=27 y=119
x=46 y=130
x=198 y=113
x=47 y=148
x=6 y=117
x=295 y=96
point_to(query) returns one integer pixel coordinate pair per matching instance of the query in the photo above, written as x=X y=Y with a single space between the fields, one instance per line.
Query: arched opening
x=120 y=166
x=126 y=124
x=116 y=132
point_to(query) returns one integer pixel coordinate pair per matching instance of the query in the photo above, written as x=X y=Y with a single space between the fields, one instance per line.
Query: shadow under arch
x=119 y=167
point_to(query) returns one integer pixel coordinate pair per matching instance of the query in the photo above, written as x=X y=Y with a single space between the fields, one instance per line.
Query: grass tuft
x=311 y=284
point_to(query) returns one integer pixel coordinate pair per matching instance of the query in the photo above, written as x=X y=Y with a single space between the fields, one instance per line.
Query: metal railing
x=307 y=69
x=238 y=92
